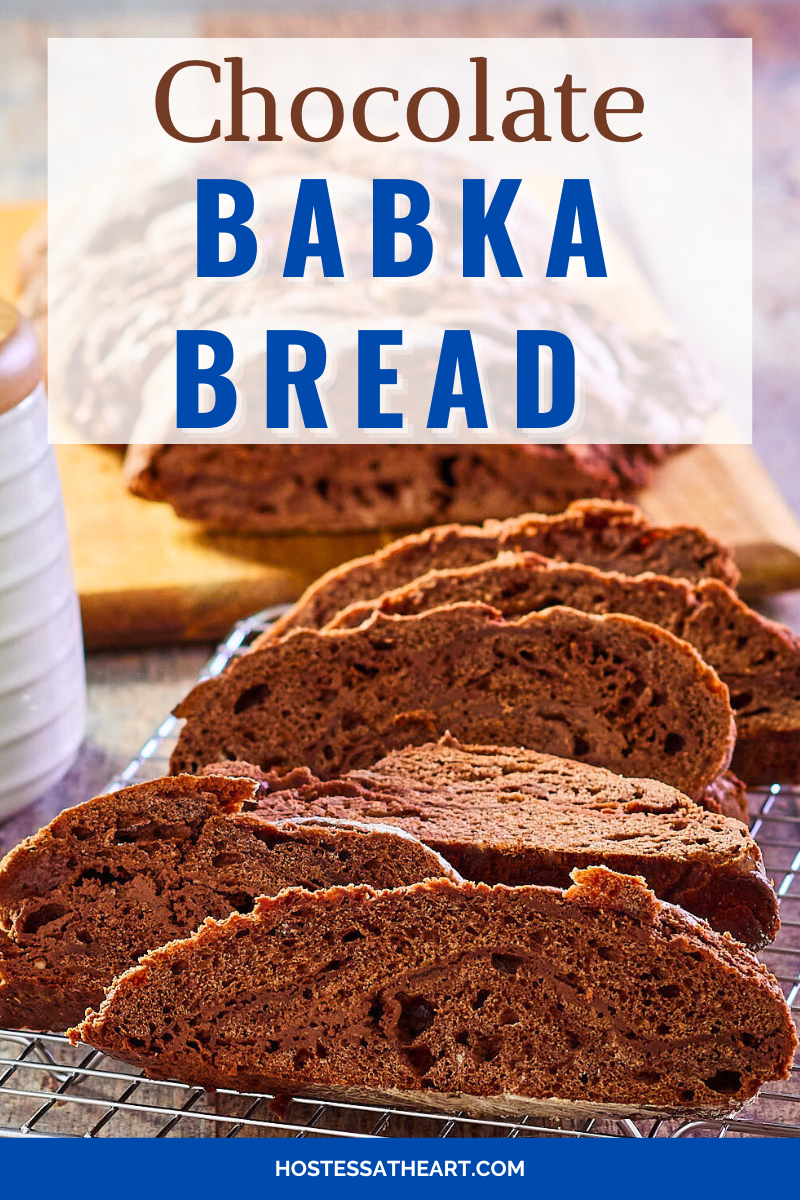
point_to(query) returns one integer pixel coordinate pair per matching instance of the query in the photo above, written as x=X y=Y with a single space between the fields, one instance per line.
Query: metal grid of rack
x=51 y=1089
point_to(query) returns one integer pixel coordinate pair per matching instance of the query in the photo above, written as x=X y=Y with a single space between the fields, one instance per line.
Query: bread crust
x=220 y=1009
x=336 y=700
x=505 y=815
x=758 y=659
x=123 y=873
x=607 y=535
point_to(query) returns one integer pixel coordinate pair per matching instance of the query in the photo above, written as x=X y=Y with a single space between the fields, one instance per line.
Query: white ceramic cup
x=42 y=676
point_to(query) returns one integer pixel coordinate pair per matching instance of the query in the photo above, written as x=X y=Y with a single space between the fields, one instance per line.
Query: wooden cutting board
x=144 y=576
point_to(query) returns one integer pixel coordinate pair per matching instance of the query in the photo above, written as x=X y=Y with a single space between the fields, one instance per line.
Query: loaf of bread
x=599 y=999
x=503 y=815
x=124 y=873
x=612 y=691
x=336 y=488
x=611 y=536
x=758 y=659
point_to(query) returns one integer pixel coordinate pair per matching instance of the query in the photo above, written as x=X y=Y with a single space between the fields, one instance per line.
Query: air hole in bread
x=486 y=1048
x=649 y=1077
x=445 y=471
x=226 y=860
x=367 y=672
x=42 y=916
x=727 y=1083
x=421 y=1059
x=250 y=697
x=105 y=877
x=416 y=1016
x=509 y=964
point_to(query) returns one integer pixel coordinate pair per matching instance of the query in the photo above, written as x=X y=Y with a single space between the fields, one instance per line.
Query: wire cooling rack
x=51 y=1089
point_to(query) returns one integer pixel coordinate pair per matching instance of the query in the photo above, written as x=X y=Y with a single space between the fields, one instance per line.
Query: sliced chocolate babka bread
x=761 y=664
x=610 y=536
x=324 y=488
x=726 y=795
x=502 y=815
x=599 y=999
x=519 y=582
x=758 y=659
x=126 y=872
x=613 y=691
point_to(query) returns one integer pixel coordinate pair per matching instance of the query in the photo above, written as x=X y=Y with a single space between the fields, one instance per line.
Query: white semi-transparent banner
x=415 y=240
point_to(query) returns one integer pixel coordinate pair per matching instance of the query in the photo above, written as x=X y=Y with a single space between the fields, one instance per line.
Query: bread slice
x=612 y=536
x=762 y=669
x=726 y=795
x=503 y=815
x=113 y=878
x=758 y=659
x=596 y=1000
x=327 y=488
x=612 y=691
